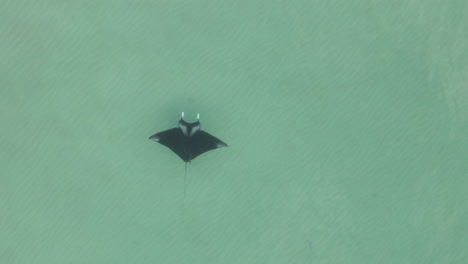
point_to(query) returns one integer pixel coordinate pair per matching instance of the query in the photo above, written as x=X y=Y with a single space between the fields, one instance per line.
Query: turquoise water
x=347 y=126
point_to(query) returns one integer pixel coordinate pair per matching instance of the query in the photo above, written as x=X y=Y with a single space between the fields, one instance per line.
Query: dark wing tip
x=221 y=144
x=154 y=137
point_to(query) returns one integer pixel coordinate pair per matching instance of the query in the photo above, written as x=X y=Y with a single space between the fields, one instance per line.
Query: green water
x=347 y=126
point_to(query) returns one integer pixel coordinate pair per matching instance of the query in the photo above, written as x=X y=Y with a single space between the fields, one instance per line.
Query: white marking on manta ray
x=194 y=130
x=183 y=128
